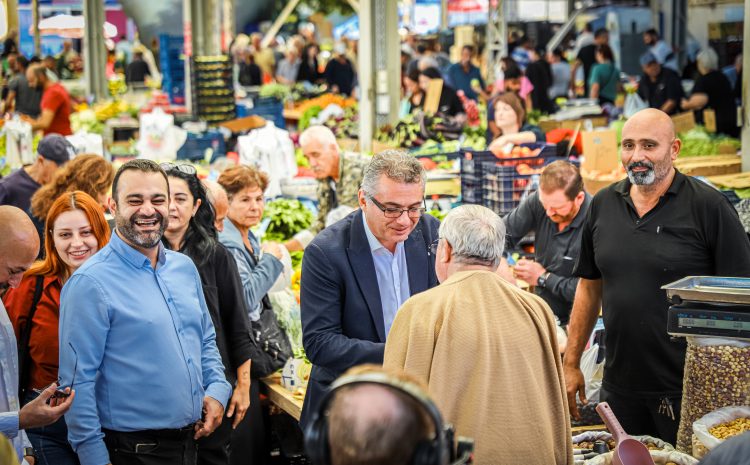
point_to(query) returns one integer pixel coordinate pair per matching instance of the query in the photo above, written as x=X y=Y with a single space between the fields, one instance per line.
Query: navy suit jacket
x=342 y=316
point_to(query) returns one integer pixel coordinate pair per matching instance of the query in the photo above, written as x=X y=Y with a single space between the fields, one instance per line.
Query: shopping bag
x=633 y=104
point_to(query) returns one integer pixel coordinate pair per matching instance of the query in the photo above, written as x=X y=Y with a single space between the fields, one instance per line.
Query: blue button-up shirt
x=141 y=343
x=9 y=404
x=393 y=276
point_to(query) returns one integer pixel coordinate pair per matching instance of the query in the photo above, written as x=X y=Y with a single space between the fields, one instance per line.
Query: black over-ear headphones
x=436 y=451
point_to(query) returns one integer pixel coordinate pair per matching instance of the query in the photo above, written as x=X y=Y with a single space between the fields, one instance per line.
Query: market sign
x=467 y=6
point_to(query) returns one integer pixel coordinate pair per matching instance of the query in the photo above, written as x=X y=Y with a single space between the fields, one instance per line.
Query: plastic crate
x=195 y=146
x=496 y=183
x=268 y=108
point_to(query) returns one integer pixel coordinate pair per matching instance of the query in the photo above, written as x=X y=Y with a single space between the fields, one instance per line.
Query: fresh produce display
x=732 y=428
x=273 y=90
x=347 y=125
x=325 y=100
x=288 y=217
x=416 y=129
x=310 y=113
x=86 y=120
x=300 y=91
x=715 y=376
x=698 y=142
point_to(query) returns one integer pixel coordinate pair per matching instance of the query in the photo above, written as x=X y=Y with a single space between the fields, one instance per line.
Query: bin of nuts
x=717 y=374
x=712 y=429
x=660 y=457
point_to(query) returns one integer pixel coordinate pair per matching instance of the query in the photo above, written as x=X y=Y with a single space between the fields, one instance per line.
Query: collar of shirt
x=623 y=188
x=375 y=244
x=132 y=256
x=581 y=216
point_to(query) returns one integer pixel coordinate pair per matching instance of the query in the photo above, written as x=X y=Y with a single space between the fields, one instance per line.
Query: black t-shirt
x=136 y=72
x=720 y=99
x=249 y=75
x=341 y=75
x=693 y=231
x=17 y=189
x=666 y=87
x=587 y=55
x=540 y=76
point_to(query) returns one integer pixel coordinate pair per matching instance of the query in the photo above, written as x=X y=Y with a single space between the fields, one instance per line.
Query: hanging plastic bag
x=593 y=372
x=19 y=143
x=703 y=440
x=633 y=104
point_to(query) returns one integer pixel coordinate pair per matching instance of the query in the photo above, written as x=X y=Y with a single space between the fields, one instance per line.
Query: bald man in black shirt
x=653 y=228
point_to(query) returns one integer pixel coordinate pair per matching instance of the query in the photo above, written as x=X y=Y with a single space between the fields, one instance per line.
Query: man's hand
x=37 y=413
x=213 y=412
x=239 y=403
x=529 y=271
x=29 y=459
x=574 y=384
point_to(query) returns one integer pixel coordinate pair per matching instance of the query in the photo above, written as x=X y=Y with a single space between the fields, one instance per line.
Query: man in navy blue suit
x=358 y=272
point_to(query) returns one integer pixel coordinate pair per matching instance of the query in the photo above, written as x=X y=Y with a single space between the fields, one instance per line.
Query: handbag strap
x=24 y=355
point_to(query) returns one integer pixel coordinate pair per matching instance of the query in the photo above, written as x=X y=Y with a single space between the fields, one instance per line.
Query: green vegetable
x=698 y=142
x=310 y=113
x=301 y=158
x=278 y=91
x=288 y=217
x=438 y=214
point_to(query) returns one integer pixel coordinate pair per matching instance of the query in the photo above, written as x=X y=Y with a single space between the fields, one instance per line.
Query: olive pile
x=589 y=416
x=715 y=377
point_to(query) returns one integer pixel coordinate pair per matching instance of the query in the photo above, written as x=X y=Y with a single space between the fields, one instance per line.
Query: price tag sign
x=432 y=99
x=684 y=122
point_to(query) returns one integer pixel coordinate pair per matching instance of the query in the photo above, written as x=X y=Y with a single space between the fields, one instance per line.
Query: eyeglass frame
x=421 y=210
x=184 y=168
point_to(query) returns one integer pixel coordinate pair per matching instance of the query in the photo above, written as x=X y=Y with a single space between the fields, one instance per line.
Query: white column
x=379 y=67
x=94 y=50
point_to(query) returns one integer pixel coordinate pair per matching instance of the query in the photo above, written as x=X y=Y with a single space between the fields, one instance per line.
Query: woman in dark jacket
x=191 y=231
x=308 y=69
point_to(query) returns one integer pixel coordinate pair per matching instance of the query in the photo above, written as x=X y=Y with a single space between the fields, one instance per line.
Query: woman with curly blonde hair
x=88 y=173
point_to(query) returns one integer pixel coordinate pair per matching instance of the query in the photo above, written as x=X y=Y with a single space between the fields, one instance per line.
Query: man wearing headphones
x=375 y=417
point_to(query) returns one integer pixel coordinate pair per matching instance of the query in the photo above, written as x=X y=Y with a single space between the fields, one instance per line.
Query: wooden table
x=281 y=396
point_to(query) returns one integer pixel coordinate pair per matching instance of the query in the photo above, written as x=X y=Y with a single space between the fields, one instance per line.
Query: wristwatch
x=29 y=452
x=542 y=280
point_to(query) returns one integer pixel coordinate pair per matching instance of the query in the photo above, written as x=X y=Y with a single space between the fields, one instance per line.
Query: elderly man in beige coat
x=486 y=349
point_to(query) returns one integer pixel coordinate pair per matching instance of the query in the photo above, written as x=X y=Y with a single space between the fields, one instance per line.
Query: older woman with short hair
x=712 y=90
x=507 y=355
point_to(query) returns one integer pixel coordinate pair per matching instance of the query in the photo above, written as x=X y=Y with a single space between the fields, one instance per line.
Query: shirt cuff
x=9 y=424
x=93 y=453
x=220 y=391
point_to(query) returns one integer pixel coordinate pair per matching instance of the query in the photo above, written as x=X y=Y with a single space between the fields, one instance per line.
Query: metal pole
x=11 y=10
x=443 y=15
x=497 y=38
x=35 y=24
x=366 y=57
x=94 y=50
x=276 y=26
x=745 y=108
x=228 y=24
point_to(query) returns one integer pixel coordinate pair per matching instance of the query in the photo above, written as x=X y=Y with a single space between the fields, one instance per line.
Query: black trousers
x=215 y=448
x=656 y=417
x=249 y=440
x=152 y=447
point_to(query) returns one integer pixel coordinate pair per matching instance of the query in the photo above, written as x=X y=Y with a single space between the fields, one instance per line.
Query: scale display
x=709 y=320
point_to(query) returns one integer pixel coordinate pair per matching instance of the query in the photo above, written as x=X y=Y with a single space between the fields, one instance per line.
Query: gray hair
x=476 y=234
x=397 y=165
x=322 y=134
x=708 y=59
x=427 y=62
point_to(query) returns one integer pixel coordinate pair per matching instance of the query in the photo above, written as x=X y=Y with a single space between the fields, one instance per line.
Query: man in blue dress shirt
x=136 y=339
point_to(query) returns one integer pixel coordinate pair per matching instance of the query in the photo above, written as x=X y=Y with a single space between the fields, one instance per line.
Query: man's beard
x=653 y=174
x=127 y=227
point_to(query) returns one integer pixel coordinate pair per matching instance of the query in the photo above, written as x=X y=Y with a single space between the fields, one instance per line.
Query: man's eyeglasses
x=393 y=212
x=184 y=168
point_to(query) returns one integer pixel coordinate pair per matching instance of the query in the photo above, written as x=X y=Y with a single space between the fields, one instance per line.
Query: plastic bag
x=703 y=440
x=285 y=278
x=593 y=372
x=19 y=143
x=660 y=458
x=633 y=104
x=159 y=137
x=717 y=375
x=85 y=142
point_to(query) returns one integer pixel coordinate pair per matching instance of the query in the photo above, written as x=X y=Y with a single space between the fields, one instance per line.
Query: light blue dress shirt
x=9 y=404
x=392 y=274
x=142 y=344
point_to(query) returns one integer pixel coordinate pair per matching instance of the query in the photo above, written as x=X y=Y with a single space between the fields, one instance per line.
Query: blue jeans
x=51 y=442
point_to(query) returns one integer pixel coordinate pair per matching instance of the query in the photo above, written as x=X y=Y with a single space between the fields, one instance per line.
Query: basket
x=270 y=109
x=195 y=146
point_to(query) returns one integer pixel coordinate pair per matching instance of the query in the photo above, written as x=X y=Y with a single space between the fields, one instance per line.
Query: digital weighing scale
x=709 y=306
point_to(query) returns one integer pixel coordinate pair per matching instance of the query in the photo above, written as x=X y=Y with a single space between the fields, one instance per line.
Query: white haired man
x=484 y=347
x=339 y=175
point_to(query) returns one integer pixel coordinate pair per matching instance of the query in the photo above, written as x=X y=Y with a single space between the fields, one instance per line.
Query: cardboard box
x=596 y=122
x=684 y=122
x=244 y=124
x=601 y=160
x=709 y=166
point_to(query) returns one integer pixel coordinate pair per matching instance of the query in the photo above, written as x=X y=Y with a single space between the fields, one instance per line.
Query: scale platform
x=709 y=306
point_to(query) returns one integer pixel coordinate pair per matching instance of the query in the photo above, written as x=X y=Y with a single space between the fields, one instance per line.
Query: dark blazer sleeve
x=232 y=307
x=322 y=301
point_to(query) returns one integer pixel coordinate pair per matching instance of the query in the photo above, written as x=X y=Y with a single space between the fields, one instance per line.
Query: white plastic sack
x=19 y=143
x=633 y=104
x=159 y=138
x=702 y=426
x=270 y=150
x=593 y=373
x=84 y=142
x=284 y=281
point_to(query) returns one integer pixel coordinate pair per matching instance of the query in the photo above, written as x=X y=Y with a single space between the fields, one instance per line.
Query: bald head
x=650 y=120
x=218 y=198
x=649 y=149
x=374 y=424
x=19 y=244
